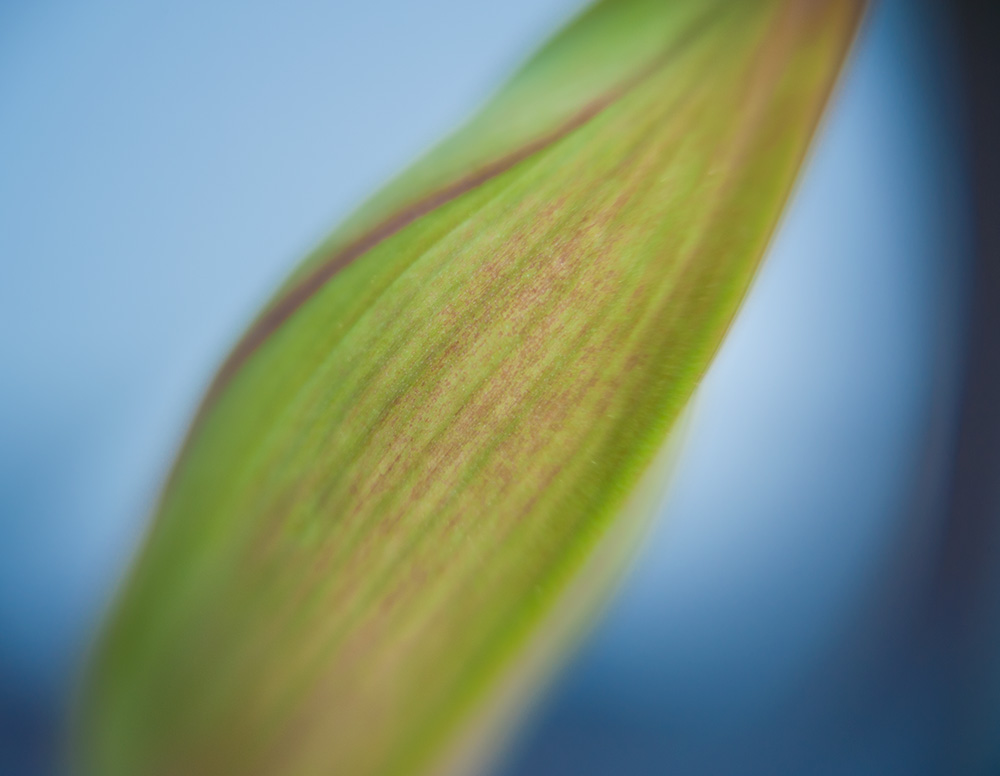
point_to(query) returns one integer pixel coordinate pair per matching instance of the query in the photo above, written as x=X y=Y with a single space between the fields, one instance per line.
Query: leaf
x=423 y=465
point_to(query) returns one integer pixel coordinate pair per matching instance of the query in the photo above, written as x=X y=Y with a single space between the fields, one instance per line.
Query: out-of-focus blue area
x=162 y=165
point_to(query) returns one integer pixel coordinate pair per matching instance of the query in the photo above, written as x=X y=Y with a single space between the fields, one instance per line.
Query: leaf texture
x=406 y=482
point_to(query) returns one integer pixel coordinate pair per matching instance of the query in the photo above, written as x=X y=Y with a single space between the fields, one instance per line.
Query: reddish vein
x=283 y=309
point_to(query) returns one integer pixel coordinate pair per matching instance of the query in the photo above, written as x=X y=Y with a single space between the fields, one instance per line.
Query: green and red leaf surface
x=413 y=475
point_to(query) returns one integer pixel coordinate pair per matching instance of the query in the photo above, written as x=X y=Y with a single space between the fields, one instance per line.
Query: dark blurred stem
x=964 y=610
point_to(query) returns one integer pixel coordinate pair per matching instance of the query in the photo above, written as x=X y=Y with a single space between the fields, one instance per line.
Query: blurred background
x=817 y=596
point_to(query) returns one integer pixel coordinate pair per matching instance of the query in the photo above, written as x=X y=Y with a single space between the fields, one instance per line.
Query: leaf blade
x=404 y=470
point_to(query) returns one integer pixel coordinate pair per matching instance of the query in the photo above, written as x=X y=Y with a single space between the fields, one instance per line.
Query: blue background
x=163 y=165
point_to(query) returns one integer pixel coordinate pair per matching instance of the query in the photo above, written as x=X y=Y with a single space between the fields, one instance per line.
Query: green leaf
x=424 y=464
